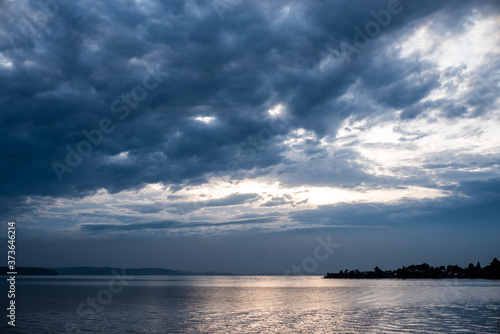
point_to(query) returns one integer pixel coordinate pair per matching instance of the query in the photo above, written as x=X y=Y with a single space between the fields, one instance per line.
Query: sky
x=250 y=136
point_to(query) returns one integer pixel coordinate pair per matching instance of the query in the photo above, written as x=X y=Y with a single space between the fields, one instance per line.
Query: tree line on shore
x=491 y=271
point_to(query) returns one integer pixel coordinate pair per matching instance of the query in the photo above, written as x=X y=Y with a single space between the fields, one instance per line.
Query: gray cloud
x=233 y=72
x=161 y=225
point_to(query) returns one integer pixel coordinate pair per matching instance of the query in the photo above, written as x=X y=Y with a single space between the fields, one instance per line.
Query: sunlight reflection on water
x=262 y=304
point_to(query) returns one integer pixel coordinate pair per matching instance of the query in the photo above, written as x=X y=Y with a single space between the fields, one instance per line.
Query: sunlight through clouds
x=205 y=119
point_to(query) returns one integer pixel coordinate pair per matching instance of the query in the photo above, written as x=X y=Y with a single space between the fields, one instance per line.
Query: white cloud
x=276 y=110
x=205 y=119
x=393 y=147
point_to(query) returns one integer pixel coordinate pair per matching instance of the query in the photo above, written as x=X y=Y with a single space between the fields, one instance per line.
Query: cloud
x=163 y=225
x=197 y=142
x=99 y=228
x=220 y=70
x=183 y=207
x=233 y=199
x=144 y=208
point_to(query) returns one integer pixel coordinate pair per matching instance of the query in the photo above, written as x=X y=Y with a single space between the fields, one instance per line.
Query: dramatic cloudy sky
x=229 y=136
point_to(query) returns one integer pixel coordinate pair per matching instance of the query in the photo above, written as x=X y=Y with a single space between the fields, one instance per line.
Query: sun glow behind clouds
x=5 y=62
x=404 y=147
x=480 y=37
x=205 y=119
x=396 y=147
x=206 y=203
x=310 y=196
x=276 y=110
x=466 y=53
x=120 y=157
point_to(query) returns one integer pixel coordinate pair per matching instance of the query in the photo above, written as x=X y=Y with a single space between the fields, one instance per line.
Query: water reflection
x=256 y=304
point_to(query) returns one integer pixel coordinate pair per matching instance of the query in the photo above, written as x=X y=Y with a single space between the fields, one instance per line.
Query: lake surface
x=252 y=304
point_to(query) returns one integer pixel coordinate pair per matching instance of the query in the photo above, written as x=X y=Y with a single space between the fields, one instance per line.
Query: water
x=253 y=304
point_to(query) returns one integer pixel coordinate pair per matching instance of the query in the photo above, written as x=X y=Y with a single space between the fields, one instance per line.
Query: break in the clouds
x=199 y=118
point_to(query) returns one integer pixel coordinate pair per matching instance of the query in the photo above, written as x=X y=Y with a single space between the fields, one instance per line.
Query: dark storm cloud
x=99 y=215
x=160 y=225
x=488 y=190
x=99 y=228
x=144 y=208
x=233 y=199
x=16 y=206
x=68 y=73
x=185 y=207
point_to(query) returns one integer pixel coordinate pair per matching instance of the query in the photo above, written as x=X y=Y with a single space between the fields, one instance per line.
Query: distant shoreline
x=424 y=271
x=103 y=271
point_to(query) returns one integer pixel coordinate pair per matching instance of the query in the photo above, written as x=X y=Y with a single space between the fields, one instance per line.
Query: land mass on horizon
x=109 y=271
x=491 y=271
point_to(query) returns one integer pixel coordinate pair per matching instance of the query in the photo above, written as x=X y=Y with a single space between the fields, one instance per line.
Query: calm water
x=253 y=304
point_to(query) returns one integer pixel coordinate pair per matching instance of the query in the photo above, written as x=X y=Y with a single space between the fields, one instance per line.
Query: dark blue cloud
x=63 y=81
x=162 y=225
